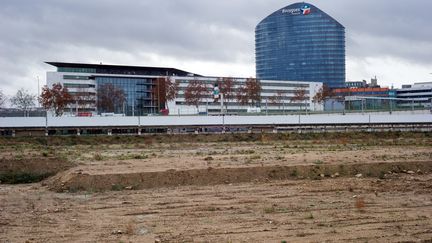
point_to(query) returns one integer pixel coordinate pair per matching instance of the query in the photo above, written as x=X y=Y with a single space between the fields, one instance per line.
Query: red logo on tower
x=306 y=10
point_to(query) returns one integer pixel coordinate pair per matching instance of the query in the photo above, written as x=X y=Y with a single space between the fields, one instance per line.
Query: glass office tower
x=302 y=43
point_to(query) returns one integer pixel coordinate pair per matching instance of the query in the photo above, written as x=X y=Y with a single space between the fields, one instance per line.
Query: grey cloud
x=385 y=28
x=34 y=31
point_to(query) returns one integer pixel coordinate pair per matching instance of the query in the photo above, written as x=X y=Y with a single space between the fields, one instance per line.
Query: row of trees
x=248 y=93
x=57 y=98
x=300 y=96
x=22 y=100
x=110 y=97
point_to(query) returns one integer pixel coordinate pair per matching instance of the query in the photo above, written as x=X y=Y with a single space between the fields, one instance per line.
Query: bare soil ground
x=341 y=209
x=294 y=189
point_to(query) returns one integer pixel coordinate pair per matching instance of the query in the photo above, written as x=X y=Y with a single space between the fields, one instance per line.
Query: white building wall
x=58 y=77
x=177 y=106
x=269 y=89
x=419 y=93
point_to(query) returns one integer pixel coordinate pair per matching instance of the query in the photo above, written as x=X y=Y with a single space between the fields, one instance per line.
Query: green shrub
x=98 y=157
x=117 y=187
x=23 y=177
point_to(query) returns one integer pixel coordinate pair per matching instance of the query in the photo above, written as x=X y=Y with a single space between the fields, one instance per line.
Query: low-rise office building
x=142 y=97
x=416 y=95
x=137 y=84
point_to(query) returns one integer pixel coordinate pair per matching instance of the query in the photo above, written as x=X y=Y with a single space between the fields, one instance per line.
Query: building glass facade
x=138 y=83
x=301 y=42
x=144 y=94
x=139 y=94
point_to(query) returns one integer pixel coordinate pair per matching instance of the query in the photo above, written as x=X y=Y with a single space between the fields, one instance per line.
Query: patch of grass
x=381 y=175
x=255 y=157
x=140 y=156
x=301 y=234
x=117 y=187
x=309 y=216
x=246 y=151
x=211 y=209
x=318 y=162
x=23 y=177
x=98 y=157
x=275 y=209
x=271 y=209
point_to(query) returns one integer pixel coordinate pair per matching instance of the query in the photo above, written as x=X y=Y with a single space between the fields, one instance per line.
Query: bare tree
x=249 y=93
x=299 y=96
x=23 y=100
x=195 y=92
x=2 y=99
x=84 y=99
x=171 y=90
x=322 y=95
x=227 y=89
x=110 y=97
x=241 y=95
x=55 y=98
x=277 y=99
x=165 y=90
x=253 y=89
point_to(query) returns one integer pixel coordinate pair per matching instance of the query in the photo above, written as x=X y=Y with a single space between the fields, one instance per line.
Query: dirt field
x=325 y=200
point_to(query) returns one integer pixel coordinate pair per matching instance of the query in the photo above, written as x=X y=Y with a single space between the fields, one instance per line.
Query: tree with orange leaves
x=322 y=95
x=55 y=98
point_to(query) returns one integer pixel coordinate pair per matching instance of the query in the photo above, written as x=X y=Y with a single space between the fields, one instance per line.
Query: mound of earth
x=29 y=170
x=72 y=181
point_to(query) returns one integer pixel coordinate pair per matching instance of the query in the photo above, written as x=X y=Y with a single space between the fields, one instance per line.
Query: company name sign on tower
x=305 y=10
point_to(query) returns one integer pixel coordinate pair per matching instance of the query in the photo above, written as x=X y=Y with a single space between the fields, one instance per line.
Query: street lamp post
x=38 y=92
x=222 y=103
x=266 y=106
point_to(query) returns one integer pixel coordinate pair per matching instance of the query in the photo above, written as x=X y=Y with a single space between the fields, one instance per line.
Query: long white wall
x=325 y=119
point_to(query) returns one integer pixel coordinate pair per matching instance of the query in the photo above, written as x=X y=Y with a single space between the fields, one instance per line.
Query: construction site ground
x=249 y=188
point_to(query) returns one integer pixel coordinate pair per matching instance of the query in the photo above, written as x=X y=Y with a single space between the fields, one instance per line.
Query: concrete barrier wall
x=157 y=121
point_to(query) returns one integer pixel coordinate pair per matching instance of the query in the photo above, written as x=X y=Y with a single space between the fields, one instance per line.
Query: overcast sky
x=391 y=39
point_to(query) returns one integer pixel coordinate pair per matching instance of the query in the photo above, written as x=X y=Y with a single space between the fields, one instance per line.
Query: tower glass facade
x=300 y=42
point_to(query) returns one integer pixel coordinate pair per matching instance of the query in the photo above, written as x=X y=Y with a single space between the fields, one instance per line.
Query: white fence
x=161 y=121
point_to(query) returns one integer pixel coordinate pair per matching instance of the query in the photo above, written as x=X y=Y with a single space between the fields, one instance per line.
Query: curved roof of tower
x=298 y=5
